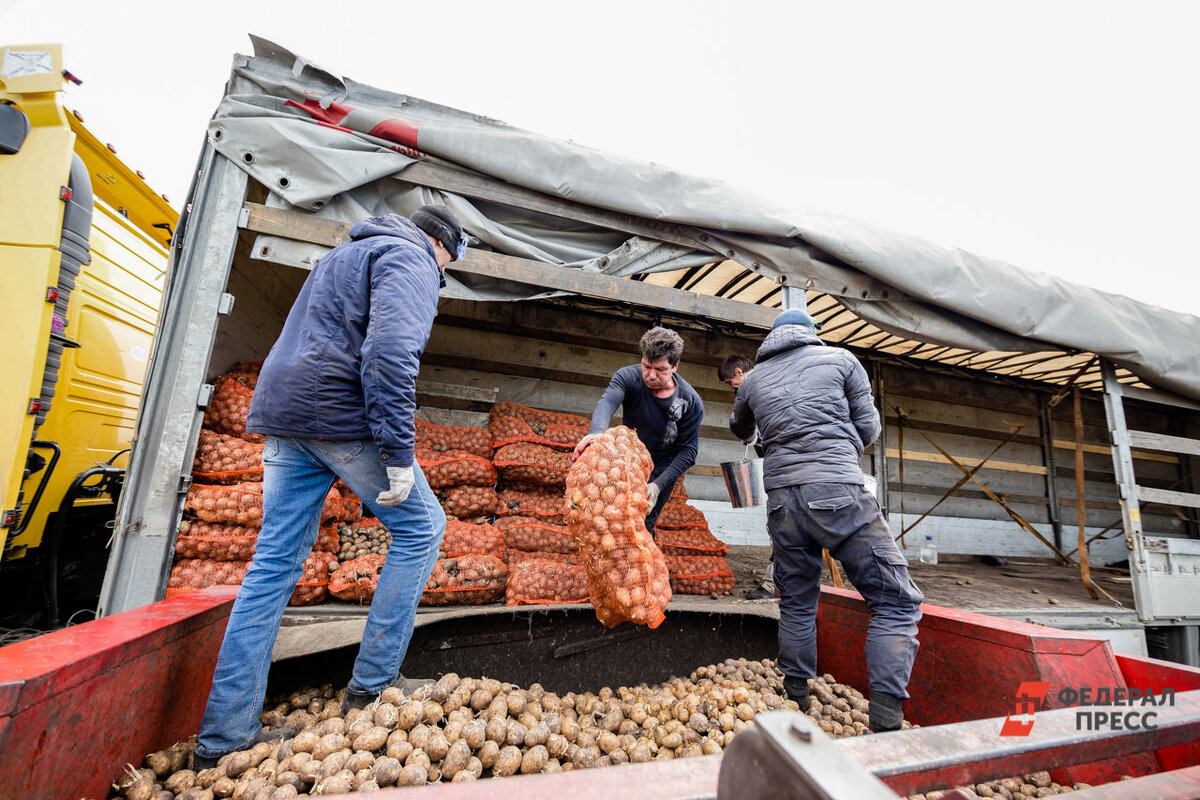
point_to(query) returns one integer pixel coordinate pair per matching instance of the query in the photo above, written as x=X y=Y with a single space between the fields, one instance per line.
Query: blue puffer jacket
x=345 y=365
x=812 y=404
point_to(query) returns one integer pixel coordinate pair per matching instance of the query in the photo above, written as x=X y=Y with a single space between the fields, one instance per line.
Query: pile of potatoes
x=363 y=538
x=1018 y=787
x=533 y=535
x=469 y=579
x=533 y=464
x=534 y=581
x=465 y=729
x=444 y=438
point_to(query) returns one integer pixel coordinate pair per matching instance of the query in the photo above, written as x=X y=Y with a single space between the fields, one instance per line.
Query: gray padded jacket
x=812 y=405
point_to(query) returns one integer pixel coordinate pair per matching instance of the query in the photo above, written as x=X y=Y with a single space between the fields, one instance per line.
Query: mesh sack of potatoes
x=239 y=504
x=676 y=514
x=225 y=458
x=468 y=502
x=455 y=468
x=351 y=505
x=313 y=586
x=679 y=491
x=512 y=422
x=549 y=506
x=443 y=438
x=462 y=538
x=607 y=507
x=194 y=574
x=355 y=580
x=361 y=538
x=512 y=557
x=328 y=540
x=215 y=541
x=227 y=411
x=536 y=581
x=700 y=574
x=531 y=534
x=466 y=580
x=533 y=464
x=689 y=541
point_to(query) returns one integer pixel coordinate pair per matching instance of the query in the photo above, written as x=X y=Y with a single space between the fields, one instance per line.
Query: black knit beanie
x=440 y=223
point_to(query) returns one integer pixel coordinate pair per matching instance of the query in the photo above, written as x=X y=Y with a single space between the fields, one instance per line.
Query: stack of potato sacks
x=533 y=456
x=223 y=507
x=695 y=558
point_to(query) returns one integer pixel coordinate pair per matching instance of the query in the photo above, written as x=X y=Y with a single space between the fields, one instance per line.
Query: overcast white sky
x=1059 y=136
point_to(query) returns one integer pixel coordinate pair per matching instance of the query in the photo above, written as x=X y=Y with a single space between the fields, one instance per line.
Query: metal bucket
x=744 y=482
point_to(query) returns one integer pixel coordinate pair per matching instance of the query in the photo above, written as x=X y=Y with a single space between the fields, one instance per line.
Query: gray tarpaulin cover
x=338 y=148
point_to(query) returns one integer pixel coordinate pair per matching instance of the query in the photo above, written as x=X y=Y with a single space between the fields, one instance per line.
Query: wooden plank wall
x=560 y=357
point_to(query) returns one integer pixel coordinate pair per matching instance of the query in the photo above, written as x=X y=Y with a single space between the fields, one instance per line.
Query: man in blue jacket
x=812 y=405
x=664 y=409
x=336 y=399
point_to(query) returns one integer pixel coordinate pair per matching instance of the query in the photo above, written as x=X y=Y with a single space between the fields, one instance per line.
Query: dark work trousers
x=845 y=519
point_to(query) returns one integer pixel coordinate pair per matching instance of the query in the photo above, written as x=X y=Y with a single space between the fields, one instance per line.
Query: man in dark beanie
x=813 y=410
x=661 y=406
x=336 y=399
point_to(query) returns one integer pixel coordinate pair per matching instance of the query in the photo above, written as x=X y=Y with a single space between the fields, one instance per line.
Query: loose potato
x=238 y=763
x=335 y=784
x=374 y=738
x=413 y=775
x=399 y=750
x=488 y=753
x=223 y=786
x=410 y=714
x=180 y=781
x=360 y=760
x=196 y=793
x=456 y=759
x=386 y=770
x=508 y=761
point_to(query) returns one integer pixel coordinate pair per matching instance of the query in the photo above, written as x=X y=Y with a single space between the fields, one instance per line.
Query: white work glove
x=583 y=445
x=401 y=481
x=652 y=492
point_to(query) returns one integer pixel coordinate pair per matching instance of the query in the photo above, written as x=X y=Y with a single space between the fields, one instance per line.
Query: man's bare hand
x=583 y=445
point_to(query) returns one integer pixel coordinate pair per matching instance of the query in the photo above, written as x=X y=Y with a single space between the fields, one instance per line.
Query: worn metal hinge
x=185 y=483
x=206 y=395
x=226 y=303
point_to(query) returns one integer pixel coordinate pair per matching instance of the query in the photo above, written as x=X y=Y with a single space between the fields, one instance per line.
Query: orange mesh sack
x=356 y=580
x=214 y=541
x=468 y=502
x=194 y=574
x=224 y=458
x=228 y=409
x=443 y=438
x=678 y=491
x=542 y=582
x=466 y=580
x=328 y=540
x=313 y=586
x=462 y=538
x=366 y=536
x=455 y=468
x=352 y=505
x=512 y=557
x=512 y=422
x=533 y=464
x=546 y=506
x=531 y=535
x=240 y=504
x=700 y=574
x=689 y=542
x=607 y=502
x=676 y=514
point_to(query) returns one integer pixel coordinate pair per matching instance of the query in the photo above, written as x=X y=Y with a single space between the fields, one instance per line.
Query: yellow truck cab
x=83 y=248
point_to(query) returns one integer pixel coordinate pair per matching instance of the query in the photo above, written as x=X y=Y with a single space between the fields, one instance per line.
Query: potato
x=306 y=740
x=437 y=747
x=160 y=762
x=455 y=760
x=413 y=775
x=391 y=696
x=374 y=738
x=238 y=763
x=142 y=788
x=497 y=730
x=223 y=786
x=410 y=714
x=180 y=781
x=488 y=753
x=327 y=744
x=475 y=734
x=386 y=770
x=508 y=761
x=285 y=792
x=290 y=778
x=433 y=712
x=196 y=793
x=399 y=750
x=387 y=716
x=334 y=763
x=362 y=759
x=336 y=784
x=420 y=758
x=515 y=733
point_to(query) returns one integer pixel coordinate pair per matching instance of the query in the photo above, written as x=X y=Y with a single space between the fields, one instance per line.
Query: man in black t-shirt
x=661 y=406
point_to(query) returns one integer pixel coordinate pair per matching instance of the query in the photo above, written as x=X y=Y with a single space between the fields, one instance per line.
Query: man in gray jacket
x=813 y=410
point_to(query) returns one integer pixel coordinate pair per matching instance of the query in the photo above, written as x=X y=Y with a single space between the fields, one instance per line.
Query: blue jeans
x=297 y=474
x=844 y=519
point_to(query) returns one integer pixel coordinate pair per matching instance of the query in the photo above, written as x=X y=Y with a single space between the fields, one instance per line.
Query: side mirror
x=14 y=127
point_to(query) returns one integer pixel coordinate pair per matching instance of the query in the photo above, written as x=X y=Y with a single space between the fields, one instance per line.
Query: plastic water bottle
x=928 y=551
